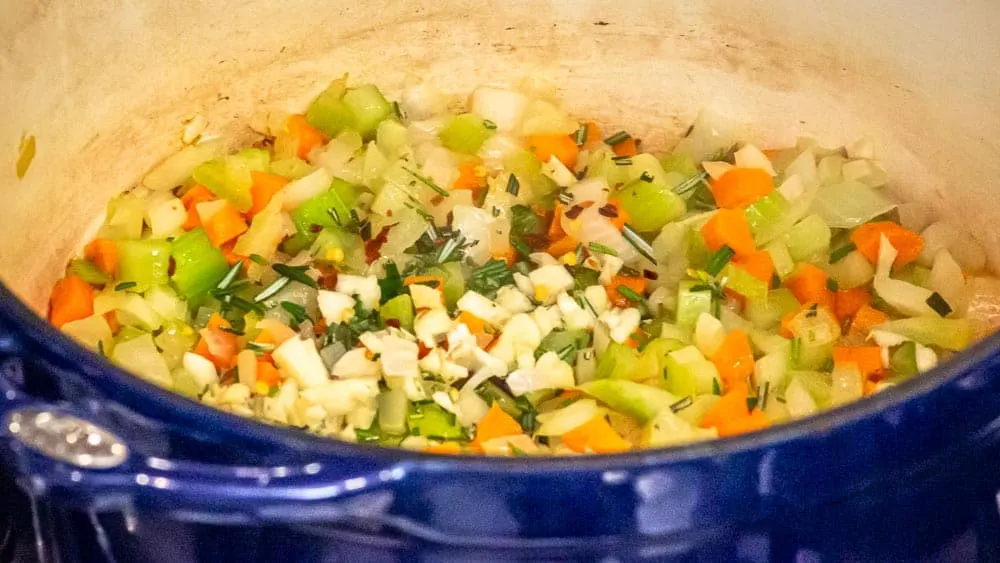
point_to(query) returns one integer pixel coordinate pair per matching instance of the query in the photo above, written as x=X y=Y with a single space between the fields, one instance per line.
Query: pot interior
x=105 y=91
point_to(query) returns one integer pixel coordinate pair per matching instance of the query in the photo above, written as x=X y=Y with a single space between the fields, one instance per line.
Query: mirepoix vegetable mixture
x=507 y=279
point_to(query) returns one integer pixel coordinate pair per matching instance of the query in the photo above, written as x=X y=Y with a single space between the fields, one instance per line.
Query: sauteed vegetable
x=509 y=280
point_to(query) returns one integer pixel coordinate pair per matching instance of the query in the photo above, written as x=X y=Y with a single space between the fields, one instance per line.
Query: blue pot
x=896 y=476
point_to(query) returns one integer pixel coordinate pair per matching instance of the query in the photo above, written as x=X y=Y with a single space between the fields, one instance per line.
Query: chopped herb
x=260 y=347
x=812 y=310
x=397 y=111
x=842 y=252
x=645 y=177
x=297 y=311
x=796 y=350
x=940 y=306
x=392 y=284
x=752 y=403
x=682 y=404
x=513 y=185
x=516 y=451
x=490 y=277
x=125 y=285
x=688 y=186
x=578 y=254
x=622 y=160
x=244 y=305
x=336 y=216
x=496 y=212
x=618 y=137
x=230 y=275
x=567 y=352
x=637 y=242
x=258 y=259
x=832 y=284
x=272 y=290
x=581 y=135
x=489 y=124
x=564 y=197
x=296 y=273
x=429 y=183
x=521 y=246
x=764 y=395
x=100 y=348
x=716 y=390
x=719 y=259
x=602 y=249
x=231 y=330
x=629 y=293
x=273 y=391
x=450 y=247
x=775 y=280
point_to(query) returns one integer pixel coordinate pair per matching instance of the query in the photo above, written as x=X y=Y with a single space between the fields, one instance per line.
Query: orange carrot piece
x=268 y=373
x=734 y=359
x=849 y=301
x=72 y=299
x=563 y=147
x=729 y=227
x=907 y=243
x=595 y=435
x=731 y=405
x=866 y=319
x=621 y=216
x=215 y=325
x=556 y=231
x=468 y=177
x=437 y=282
x=444 y=448
x=562 y=246
x=191 y=199
x=225 y=225
x=636 y=284
x=758 y=264
x=231 y=257
x=104 y=254
x=307 y=137
x=867 y=358
x=496 y=424
x=111 y=318
x=740 y=187
x=478 y=327
x=628 y=147
x=808 y=285
x=263 y=188
x=593 y=136
x=753 y=422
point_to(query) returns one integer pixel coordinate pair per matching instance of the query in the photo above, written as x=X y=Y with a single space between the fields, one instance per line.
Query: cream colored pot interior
x=105 y=86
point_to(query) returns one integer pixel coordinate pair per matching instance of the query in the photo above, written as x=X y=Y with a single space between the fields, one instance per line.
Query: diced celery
x=326 y=208
x=783 y=262
x=697 y=253
x=904 y=359
x=854 y=270
x=769 y=372
x=680 y=163
x=431 y=421
x=528 y=170
x=464 y=134
x=691 y=304
x=229 y=178
x=558 y=340
x=399 y=308
x=166 y=303
x=650 y=206
x=454 y=281
x=125 y=219
x=653 y=358
x=816 y=383
x=950 y=334
x=328 y=112
x=743 y=283
x=811 y=356
x=198 y=266
x=140 y=356
x=765 y=216
x=184 y=384
x=392 y=138
x=88 y=272
x=93 y=332
x=689 y=373
x=298 y=242
x=766 y=313
x=132 y=310
x=628 y=397
x=846 y=384
x=144 y=262
x=338 y=246
x=174 y=340
x=368 y=106
x=849 y=204
x=257 y=160
x=809 y=238
x=392 y=411
x=128 y=332
x=291 y=168
x=701 y=405
x=618 y=362
x=669 y=429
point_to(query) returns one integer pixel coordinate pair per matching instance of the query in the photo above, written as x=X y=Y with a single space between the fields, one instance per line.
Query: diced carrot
x=869 y=387
x=468 y=176
x=556 y=231
x=593 y=135
x=849 y=301
x=563 y=147
x=628 y=147
x=104 y=254
x=72 y=300
x=437 y=282
x=225 y=225
x=729 y=227
x=758 y=264
x=740 y=187
x=268 y=373
x=191 y=199
x=809 y=285
x=755 y=421
x=307 y=137
x=509 y=256
x=232 y=257
x=734 y=359
x=595 y=435
x=866 y=319
x=495 y=424
x=263 y=188
x=730 y=406
x=226 y=356
x=562 y=246
x=868 y=237
x=636 y=284
x=621 y=216
x=445 y=448
x=478 y=327
x=111 y=317
x=867 y=358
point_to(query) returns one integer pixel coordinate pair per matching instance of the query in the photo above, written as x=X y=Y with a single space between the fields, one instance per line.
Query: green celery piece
x=298 y=242
x=492 y=393
x=639 y=401
x=399 y=308
x=691 y=304
x=766 y=313
x=228 y=178
x=198 y=266
x=808 y=239
x=618 y=361
x=368 y=107
x=432 y=421
x=679 y=163
x=812 y=357
x=88 y=272
x=653 y=358
x=765 y=216
x=526 y=167
x=291 y=168
x=334 y=237
x=257 y=160
x=698 y=253
x=392 y=410
x=454 y=281
x=328 y=112
x=650 y=206
x=904 y=359
x=742 y=282
x=125 y=219
x=558 y=340
x=145 y=262
x=341 y=197
x=464 y=134
x=691 y=378
x=950 y=334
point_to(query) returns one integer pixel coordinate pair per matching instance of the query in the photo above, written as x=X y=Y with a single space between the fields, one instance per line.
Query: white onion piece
x=903 y=296
x=497 y=149
x=946 y=278
x=475 y=225
x=716 y=168
x=505 y=108
x=804 y=166
x=751 y=157
x=471 y=408
x=967 y=252
x=590 y=226
x=559 y=422
x=177 y=168
x=297 y=192
x=422 y=101
x=591 y=189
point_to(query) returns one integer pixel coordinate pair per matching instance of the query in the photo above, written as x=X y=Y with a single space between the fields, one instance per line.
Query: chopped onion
x=716 y=168
x=947 y=280
x=849 y=204
x=751 y=157
x=561 y=421
x=505 y=108
x=177 y=168
x=297 y=192
x=903 y=296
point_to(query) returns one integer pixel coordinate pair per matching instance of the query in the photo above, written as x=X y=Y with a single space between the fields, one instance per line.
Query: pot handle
x=57 y=452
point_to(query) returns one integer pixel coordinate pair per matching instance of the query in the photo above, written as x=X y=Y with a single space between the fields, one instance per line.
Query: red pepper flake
x=574 y=212
x=373 y=246
x=650 y=275
x=609 y=211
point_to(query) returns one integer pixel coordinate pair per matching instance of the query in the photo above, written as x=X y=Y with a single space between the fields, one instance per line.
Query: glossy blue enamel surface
x=878 y=477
